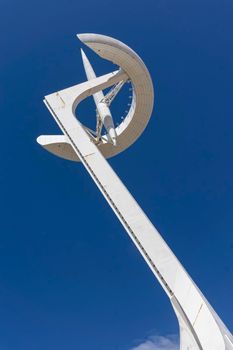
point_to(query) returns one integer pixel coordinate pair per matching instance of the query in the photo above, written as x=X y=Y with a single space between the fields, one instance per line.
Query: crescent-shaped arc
x=142 y=100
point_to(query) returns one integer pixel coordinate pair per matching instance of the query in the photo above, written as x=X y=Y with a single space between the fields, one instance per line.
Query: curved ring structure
x=142 y=100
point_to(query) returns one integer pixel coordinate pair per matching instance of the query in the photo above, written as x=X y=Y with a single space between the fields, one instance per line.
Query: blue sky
x=70 y=278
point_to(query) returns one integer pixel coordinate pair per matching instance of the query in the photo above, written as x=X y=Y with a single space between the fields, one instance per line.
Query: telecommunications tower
x=200 y=326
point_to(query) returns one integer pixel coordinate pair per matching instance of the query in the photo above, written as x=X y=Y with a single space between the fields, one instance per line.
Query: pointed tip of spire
x=85 y=60
x=83 y=54
x=87 y=66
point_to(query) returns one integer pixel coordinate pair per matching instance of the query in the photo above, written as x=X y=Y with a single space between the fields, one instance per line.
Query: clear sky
x=70 y=278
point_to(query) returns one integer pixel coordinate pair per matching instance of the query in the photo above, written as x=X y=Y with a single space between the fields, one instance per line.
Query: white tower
x=200 y=326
